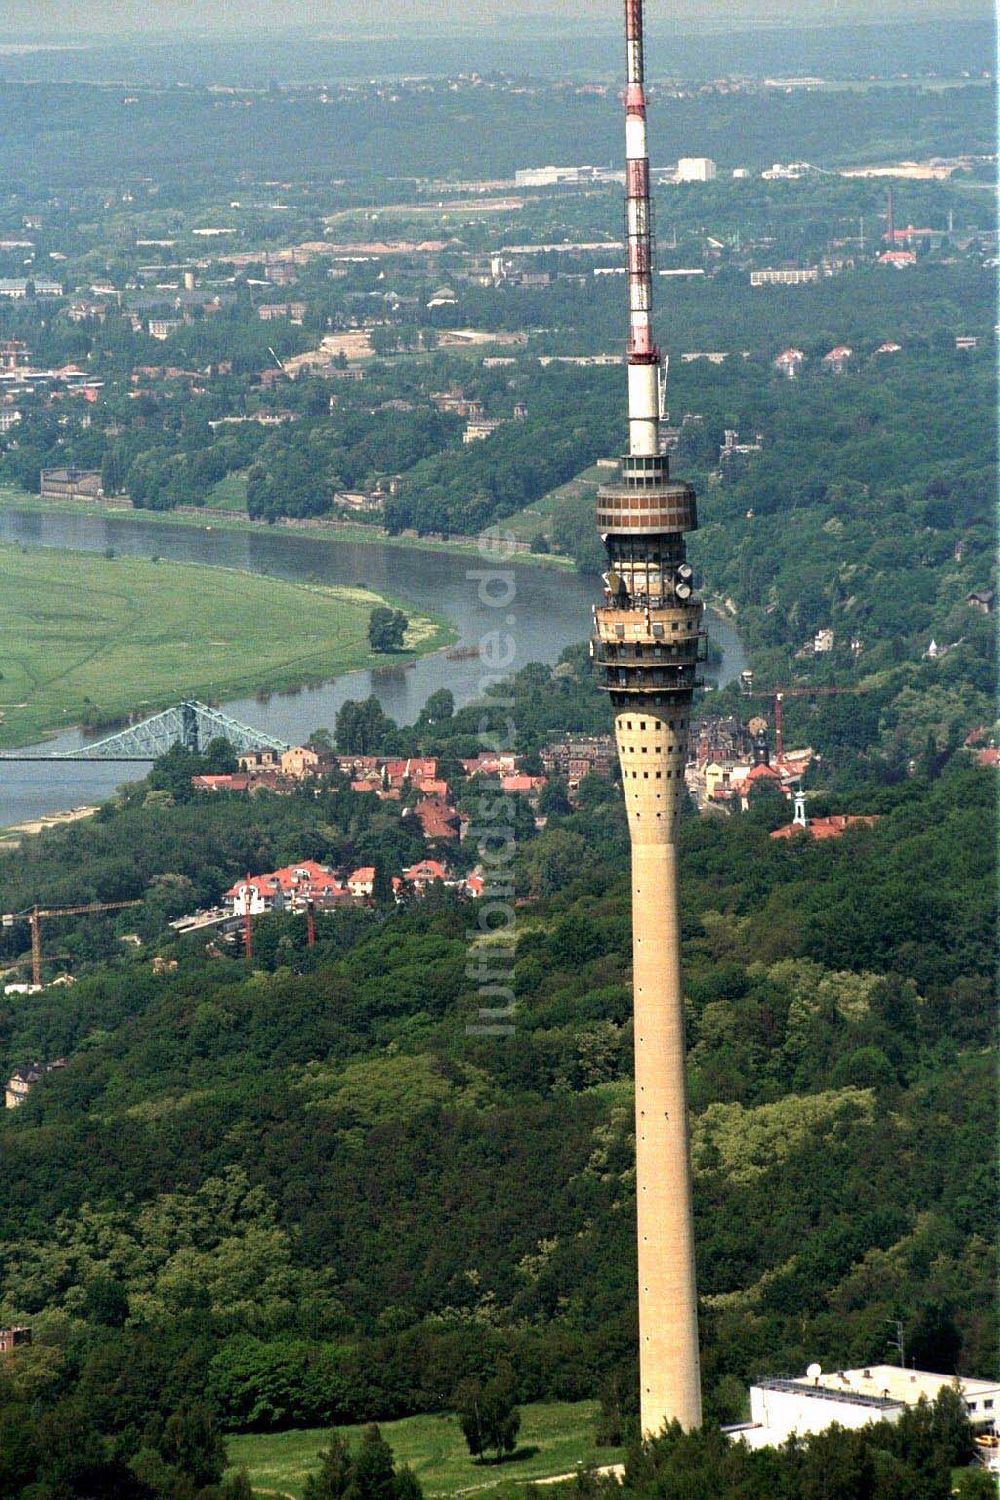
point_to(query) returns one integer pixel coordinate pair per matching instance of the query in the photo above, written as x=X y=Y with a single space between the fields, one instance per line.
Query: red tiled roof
x=522 y=783
x=425 y=869
x=762 y=773
x=826 y=828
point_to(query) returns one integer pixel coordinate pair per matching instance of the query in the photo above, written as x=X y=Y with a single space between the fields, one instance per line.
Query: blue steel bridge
x=191 y=724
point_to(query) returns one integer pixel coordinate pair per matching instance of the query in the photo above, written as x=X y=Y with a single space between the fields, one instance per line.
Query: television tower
x=647 y=645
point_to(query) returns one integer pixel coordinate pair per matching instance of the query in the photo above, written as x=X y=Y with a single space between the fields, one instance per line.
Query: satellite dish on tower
x=814 y=1371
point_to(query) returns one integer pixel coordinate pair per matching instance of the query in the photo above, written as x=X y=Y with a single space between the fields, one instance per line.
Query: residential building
x=574 y=759
x=362 y=881
x=733 y=451
x=833 y=827
x=162 y=328
x=414 y=768
x=260 y=760
x=439 y=820
x=295 y=312
x=521 y=785
x=291 y=888
x=423 y=874
x=360 y=501
x=13 y=1338
x=23 y=1080
x=71 y=484
x=14 y=354
x=9 y=418
x=900 y=259
x=303 y=762
x=236 y=781
x=837 y=360
x=485 y=764
x=790 y=363
x=480 y=428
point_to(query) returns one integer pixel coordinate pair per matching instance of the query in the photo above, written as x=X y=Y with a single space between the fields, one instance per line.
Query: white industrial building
x=696 y=169
x=853 y=1398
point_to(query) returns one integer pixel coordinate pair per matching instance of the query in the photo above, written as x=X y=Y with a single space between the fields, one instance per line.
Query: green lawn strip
x=228 y=494
x=562 y=1433
x=537 y=519
x=85 y=638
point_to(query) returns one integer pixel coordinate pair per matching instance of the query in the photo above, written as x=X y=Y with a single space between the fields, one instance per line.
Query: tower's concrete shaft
x=648 y=644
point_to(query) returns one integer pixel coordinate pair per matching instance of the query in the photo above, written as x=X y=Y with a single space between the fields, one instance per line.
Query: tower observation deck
x=647 y=645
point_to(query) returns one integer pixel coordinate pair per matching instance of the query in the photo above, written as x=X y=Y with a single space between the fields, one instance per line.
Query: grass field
x=94 y=639
x=229 y=494
x=536 y=519
x=554 y=1439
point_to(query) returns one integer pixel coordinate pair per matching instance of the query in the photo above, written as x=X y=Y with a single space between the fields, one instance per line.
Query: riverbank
x=91 y=639
x=209 y=520
x=13 y=837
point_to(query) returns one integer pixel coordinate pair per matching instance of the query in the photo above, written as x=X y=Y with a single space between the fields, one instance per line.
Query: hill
x=310 y=1194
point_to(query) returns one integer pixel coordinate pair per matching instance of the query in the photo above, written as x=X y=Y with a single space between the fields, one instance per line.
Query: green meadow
x=93 y=639
x=555 y=1438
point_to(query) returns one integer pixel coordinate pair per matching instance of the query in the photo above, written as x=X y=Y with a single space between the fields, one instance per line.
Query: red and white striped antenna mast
x=644 y=361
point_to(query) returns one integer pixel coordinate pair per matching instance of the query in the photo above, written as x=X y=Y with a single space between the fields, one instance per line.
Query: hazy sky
x=30 y=18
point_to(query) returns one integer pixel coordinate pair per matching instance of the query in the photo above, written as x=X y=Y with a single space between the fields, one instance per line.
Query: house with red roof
x=237 y=781
x=424 y=873
x=413 y=769
x=837 y=359
x=528 y=786
x=292 y=888
x=789 y=363
x=833 y=827
x=485 y=764
x=439 y=821
x=361 y=882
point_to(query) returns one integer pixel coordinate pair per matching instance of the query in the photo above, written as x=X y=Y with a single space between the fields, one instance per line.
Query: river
x=550 y=609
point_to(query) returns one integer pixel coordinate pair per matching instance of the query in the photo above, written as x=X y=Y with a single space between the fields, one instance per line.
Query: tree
x=193 y=1444
x=488 y=1416
x=439 y=706
x=382 y=892
x=386 y=628
x=336 y=1472
x=374 y=1475
x=368 y=1474
x=362 y=728
x=220 y=758
x=106 y=1302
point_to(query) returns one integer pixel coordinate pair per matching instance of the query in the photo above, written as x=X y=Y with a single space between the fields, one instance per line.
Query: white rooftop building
x=696 y=169
x=852 y=1399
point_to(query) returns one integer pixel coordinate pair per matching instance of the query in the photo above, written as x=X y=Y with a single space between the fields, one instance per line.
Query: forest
x=309 y=1194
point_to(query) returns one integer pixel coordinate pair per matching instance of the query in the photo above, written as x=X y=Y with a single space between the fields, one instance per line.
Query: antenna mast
x=644 y=363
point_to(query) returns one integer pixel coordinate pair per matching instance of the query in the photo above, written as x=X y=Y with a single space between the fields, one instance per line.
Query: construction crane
x=34 y=916
x=777 y=697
